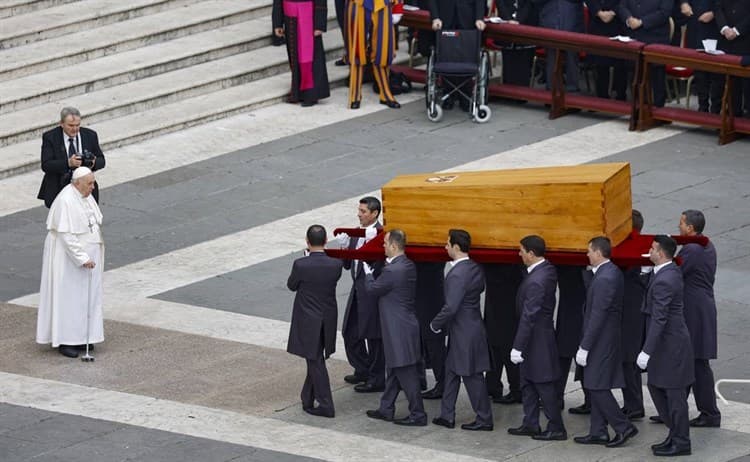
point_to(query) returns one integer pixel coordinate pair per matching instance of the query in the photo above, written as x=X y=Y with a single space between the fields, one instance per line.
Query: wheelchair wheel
x=483 y=114
x=435 y=113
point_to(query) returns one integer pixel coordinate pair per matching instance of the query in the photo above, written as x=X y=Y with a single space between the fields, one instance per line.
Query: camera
x=88 y=158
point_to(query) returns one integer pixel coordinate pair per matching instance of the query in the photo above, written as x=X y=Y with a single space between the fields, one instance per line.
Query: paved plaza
x=201 y=228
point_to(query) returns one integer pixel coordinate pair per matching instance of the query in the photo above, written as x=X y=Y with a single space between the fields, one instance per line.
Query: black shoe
x=705 y=421
x=375 y=414
x=340 y=62
x=355 y=379
x=393 y=104
x=308 y=103
x=621 y=438
x=656 y=419
x=551 y=436
x=525 y=431
x=409 y=422
x=663 y=444
x=319 y=412
x=354 y=105
x=422 y=385
x=591 y=439
x=68 y=351
x=477 y=427
x=672 y=450
x=633 y=415
x=83 y=347
x=368 y=388
x=443 y=422
x=433 y=394
x=583 y=409
x=510 y=398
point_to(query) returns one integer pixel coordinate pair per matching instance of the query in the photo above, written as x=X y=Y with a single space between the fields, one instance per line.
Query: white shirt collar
x=455 y=262
x=531 y=267
x=596 y=268
x=389 y=260
x=658 y=267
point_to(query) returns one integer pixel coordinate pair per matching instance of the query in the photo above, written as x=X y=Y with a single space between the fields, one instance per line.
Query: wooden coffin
x=567 y=206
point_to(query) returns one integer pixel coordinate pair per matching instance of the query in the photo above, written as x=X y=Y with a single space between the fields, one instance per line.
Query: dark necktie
x=71 y=147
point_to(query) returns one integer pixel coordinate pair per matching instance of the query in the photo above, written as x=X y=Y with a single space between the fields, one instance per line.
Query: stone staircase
x=136 y=69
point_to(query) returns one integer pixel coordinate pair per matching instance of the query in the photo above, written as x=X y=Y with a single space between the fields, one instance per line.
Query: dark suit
x=395 y=290
x=501 y=322
x=312 y=334
x=603 y=63
x=655 y=29
x=569 y=320
x=601 y=338
x=735 y=13
x=698 y=274
x=430 y=299
x=670 y=367
x=468 y=355
x=361 y=326
x=708 y=86
x=632 y=337
x=55 y=161
x=457 y=14
x=566 y=15
x=535 y=339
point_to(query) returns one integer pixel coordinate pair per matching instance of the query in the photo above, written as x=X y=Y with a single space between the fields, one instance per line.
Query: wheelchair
x=458 y=55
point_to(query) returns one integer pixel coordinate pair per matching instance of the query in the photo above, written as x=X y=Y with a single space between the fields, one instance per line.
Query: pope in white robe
x=70 y=296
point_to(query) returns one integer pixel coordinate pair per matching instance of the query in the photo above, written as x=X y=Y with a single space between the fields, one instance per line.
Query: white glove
x=396 y=18
x=581 y=357
x=642 y=360
x=343 y=240
x=516 y=356
x=368 y=269
x=370 y=233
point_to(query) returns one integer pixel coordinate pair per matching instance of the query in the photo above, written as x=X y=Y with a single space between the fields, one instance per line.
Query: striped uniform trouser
x=378 y=28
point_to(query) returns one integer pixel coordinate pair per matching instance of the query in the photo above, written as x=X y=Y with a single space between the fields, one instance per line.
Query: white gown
x=69 y=292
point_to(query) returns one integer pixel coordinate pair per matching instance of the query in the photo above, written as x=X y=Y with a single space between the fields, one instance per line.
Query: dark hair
x=316 y=235
x=372 y=203
x=398 y=238
x=695 y=219
x=637 y=220
x=602 y=244
x=534 y=243
x=667 y=245
x=461 y=238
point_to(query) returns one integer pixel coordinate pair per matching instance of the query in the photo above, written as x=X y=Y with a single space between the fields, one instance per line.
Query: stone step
x=89 y=44
x=10 y=8
x=135 y=64
x=74 y=17
x=147 y=93
x=22 y=157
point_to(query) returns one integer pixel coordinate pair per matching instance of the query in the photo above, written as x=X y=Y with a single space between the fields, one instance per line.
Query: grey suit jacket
x=314 y=314
x=602 y=329
x=468 y=353
x=535 y=338
x=667 y=338
x=395 y=290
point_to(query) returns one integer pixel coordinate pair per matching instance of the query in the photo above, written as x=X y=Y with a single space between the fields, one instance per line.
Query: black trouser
x=709 y=87
x=605 y=410
x=317 y=386
x=341 y=20
x=365 y=355
x=433 y=354
x=563 y=380
x=501 y=359
x=619 y=81
x=531 y=394
x=671 y=403
x=703 y=390
x=632 y=394
x=658 y=84
x=403 y=378
x=477 y=391
x=517 y=64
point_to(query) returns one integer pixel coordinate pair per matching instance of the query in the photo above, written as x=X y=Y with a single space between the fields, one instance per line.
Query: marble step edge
x=73 y=17
x=28 y=6
x=114 y=38
x=23 y=157
x=144 y=94
x=132 y=65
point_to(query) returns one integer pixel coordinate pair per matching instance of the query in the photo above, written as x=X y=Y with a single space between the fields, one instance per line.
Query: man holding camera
x=64 y=149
